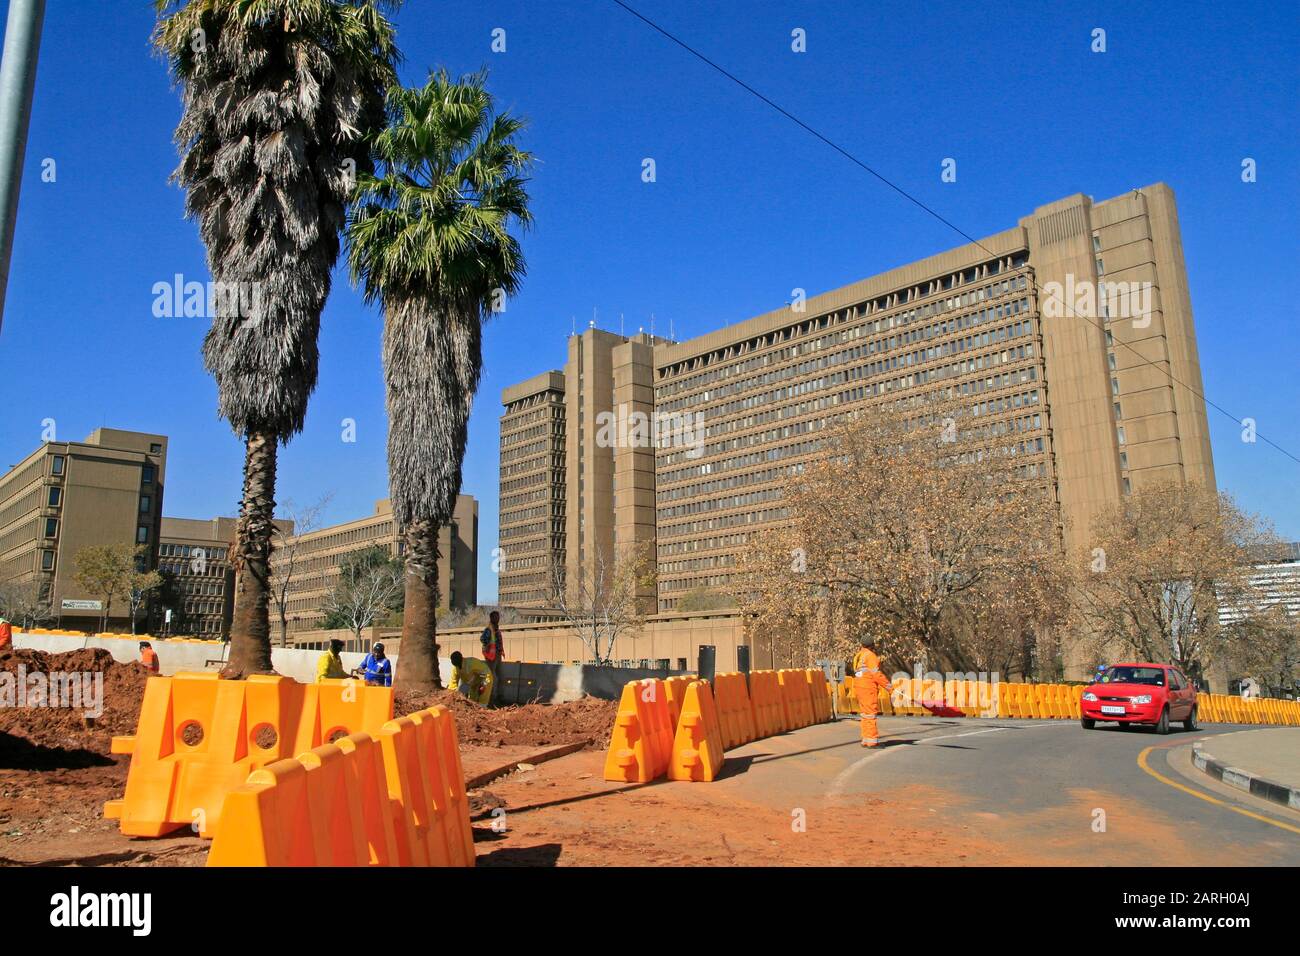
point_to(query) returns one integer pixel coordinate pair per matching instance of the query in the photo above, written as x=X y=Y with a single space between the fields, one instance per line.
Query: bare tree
x=26 y=604
x=370 y=584
x=606 y=599
x=286 y=547
x=1160 y=565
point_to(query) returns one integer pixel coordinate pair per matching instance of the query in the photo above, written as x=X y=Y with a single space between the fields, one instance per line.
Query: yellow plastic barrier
x=641 y=743
x=794 y=695
x=697 y=745
x=769 y=707
x=426 y=790
x=198 y=738
x=327 y=807
x=885 y=702
x=816 y=681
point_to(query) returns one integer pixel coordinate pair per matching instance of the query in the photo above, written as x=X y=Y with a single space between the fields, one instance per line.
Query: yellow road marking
x=1142 y=762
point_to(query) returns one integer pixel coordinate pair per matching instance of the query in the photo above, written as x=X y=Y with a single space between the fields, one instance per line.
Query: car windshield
x=1154 y=676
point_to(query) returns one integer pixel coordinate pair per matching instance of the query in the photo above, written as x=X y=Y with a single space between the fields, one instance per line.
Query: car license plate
x=1112 y=710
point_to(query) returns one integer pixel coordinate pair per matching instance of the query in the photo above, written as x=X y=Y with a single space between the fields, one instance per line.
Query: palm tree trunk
x=250 y=628
x=418 y=653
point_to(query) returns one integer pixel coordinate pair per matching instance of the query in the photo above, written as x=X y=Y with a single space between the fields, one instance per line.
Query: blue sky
x=747 y=206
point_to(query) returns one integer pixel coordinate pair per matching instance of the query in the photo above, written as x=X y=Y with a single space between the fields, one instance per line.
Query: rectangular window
x=51 y=527
x=1128 y=488
x=1118 y=412
x=146 y=504
x=155 y=449
x=47 y=560
x=1114 y=386
x=1101 y=268
x=1123 y=460
x=1110 y=357
x=1096 y=243
x=56 y=465
x=142 y=534
x=1120 y=433
x=146 y=475
x=56 y=494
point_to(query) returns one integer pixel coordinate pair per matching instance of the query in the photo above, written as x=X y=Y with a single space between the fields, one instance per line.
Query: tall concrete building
x=196 y=554
x=318 y=553
x=65 y=496
x=1069 y=335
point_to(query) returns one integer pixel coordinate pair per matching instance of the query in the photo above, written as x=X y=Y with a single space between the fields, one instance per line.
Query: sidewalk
x=1265 y=763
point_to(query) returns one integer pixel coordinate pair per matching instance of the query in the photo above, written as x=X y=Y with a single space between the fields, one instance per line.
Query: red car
x=1151 y=694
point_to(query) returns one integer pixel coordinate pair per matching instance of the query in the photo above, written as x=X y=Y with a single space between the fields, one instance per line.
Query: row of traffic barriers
x=393 y=799
x=199 y=737
x=679 y=727
x=918 y=697
x=1232 y=709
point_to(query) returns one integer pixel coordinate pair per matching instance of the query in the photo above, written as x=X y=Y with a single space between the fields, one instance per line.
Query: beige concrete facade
x=319 y=553
x=65 y=496
x=1095 y=395
x=530 y=558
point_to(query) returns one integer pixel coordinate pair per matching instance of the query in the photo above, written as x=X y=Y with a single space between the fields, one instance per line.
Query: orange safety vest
x=149 y=658
x=6 y=634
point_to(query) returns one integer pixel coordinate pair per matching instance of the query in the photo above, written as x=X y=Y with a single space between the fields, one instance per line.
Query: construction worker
x=6 y=634
x=472 y=677
x=494 y=649
x=867 y=681
x=376 y=669
x=330 y=665
x=149 y=657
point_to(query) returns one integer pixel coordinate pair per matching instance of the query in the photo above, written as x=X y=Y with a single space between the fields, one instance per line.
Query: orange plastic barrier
x=735 y=712
x=794 y=695
x=198 y=738
x=766 y=700
x=697 y=745
x=675 y=689
x=821 y=709
x=846 y=701
x=641 y=743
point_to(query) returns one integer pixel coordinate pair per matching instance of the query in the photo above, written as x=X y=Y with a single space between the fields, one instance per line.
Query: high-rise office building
x=1069 y=336
x=195 y=554
x=66 y=496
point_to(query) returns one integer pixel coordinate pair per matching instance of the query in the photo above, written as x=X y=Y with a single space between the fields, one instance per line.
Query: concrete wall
x=520 y=683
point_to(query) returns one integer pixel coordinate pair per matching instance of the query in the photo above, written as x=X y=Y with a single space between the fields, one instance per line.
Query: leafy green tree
x=430 y=242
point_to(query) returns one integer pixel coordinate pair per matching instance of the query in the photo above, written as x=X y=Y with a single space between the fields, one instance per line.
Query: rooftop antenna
x=620 y=323
x=652 y=326
x=574 y=320
x=670 y=329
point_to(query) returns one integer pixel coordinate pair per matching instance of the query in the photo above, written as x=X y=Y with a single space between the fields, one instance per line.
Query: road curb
x=481 y=779
x=1245 y=780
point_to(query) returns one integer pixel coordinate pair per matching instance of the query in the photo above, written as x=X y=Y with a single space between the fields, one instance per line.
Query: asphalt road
x=1110 y=796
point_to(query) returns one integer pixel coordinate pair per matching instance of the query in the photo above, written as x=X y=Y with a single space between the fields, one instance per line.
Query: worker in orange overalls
x=149 y=657
x=867 y=681
x=6 y=634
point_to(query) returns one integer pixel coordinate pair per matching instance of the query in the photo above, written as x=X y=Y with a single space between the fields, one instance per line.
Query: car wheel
x=1190 y=723
x=1087 y=723
x=1162 y=725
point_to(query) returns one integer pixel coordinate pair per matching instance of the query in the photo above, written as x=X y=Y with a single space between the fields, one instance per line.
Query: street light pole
x=17 y=81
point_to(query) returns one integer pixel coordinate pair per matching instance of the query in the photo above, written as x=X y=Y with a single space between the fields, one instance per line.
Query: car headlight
x=1141 y=699
x=1089 y=695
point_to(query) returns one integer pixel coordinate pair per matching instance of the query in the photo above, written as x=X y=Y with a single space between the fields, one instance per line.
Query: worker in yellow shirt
x=472 y=677
x=867 y=681
x=330 y=665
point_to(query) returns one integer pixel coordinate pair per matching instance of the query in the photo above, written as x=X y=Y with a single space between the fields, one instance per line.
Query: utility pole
x=17 y=81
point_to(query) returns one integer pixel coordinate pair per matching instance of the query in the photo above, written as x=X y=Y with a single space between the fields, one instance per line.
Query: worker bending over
x=149 y=657
x=867 y=681
x=472 y=677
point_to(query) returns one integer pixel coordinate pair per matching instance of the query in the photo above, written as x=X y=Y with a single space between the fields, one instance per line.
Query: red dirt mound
x=64 y=727
x=589 y=720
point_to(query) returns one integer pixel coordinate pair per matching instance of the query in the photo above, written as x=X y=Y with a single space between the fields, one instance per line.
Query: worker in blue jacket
x=376 y=669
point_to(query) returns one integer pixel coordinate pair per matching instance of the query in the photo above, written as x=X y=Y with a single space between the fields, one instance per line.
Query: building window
x=142 y=534
x=1096 y=243
x=1114 y=386
x=1110 y=339
x=1123 y=460
x=155 y=449
x=1118 y=412
x=56 y=495
x=1110 y=357
x=146 y=475
x=51 y=527
x=56 y=465
x=1101 y=267
x=146 y=504
x=47 y=560
x=1122 y=439
x=1128 y=488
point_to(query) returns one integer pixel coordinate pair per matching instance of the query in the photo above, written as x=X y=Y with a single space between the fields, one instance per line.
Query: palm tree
x=429 y=240
x=280 y=98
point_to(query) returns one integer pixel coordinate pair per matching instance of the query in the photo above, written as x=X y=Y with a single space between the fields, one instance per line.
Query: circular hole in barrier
x=191 y=733
x=335 y=735
x=264 y=736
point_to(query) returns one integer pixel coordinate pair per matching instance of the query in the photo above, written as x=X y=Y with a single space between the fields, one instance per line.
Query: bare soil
x=589 y=720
